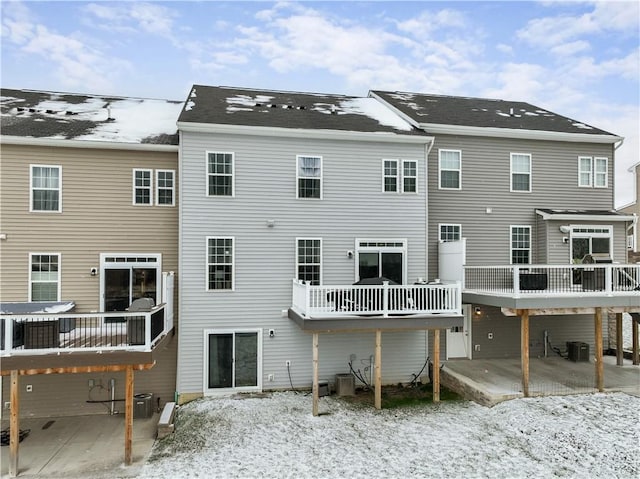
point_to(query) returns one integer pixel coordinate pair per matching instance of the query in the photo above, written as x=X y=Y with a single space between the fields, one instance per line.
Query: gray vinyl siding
x=506 y=333
x=486 y=184
x=353 y=206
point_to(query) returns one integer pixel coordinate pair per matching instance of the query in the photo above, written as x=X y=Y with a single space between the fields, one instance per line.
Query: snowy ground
x=583 y=436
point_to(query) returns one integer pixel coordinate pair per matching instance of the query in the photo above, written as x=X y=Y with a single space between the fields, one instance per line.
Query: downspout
x=428 y=148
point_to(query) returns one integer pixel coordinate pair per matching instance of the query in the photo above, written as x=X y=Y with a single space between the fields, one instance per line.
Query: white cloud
x=423 y=25
x=570 y=48
x=131 y=18
x=508 y=49
x=605 y=17
x=17 y=25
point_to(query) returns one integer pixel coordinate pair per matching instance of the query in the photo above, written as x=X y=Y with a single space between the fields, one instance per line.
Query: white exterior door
x=459 y=338
x=233 y=360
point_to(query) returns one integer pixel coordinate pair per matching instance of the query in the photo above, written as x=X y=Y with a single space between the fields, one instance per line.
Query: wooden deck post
x=128 y=416
x=378 y=370
x=436 y=365
x=314 y=387
x=598 y=352
x=14 y=425
x=634 y=341
x=524 y=350
x=619 y=341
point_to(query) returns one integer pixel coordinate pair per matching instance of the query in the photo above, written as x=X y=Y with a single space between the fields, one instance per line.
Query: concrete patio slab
x=87 y=447
x=490 y=381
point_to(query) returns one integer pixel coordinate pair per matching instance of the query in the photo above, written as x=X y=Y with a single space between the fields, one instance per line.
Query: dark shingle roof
x=41 y=114
x=295 y=110
x=482 y=112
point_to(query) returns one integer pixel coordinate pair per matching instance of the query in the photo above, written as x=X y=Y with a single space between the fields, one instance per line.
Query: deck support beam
x=128 y=417
x=635 y=354
x=378 y=370
x=14 y=425
x=436 y=365
x=619 y=341
x=598 y=352
x=314 y=387
x=524 y=350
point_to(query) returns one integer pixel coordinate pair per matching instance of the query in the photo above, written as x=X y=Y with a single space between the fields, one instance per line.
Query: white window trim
x=129 y=263
x=403 y=177
x=440 y=225
x=606 y=172
x=580 y=172
x=58 y=280
x=173 y=187
x=321 y=178
x=440 y=169
x=511 y=155
x=511 y=248
x=205 y=370
x=297 y=256
x=150 y=187
x=384 y=249
x=207 y=174
x=31 y=189
x=397 y=175
x=576 y=233
x=233 y=265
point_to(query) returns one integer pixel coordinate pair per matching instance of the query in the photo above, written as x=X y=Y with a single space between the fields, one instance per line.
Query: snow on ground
x=593 y=435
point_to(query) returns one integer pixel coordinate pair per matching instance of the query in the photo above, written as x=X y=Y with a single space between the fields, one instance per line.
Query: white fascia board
x=633 y=167
x=99 y=145
x=272 y=131
x=577 y=217
x=435 y=128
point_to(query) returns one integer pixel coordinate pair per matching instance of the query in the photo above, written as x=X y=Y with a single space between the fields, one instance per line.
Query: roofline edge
x=92 y=144
x=381 y=136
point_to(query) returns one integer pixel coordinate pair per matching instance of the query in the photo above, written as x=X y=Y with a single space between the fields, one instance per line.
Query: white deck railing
x=376 y=300
x=27 y=334
x=561 y=280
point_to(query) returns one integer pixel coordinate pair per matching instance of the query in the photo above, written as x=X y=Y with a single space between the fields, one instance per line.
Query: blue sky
x=579 y=59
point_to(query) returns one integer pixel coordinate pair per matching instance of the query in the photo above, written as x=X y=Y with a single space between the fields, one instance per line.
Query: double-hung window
x=409 y=176
x=44 y=277
x=142 y=187
x=165 y=187
x=220 y=173
x=593 y=172
x=520 y=172
x=309 y=260
x=600 y=172
x=46 y=188
x=585 y=175
x=390 y=174
x=220 y=264
x=309 y=176
x=450 y=232
x=399 y=176
x=520 y=244
x=449 y=169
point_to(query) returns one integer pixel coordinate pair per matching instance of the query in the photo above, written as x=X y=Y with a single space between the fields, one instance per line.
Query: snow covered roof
x=295 y=110
x=71 y=116
x=425 y=109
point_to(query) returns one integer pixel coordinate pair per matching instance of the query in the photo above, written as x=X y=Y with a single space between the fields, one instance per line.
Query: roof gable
x=293 y=110
x=424 y=109
x=68 y=116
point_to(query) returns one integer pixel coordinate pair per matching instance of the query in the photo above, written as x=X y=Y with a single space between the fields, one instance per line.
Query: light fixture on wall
x=271 y=223
x=565 y=229
x=477 y=311
x=349 y=254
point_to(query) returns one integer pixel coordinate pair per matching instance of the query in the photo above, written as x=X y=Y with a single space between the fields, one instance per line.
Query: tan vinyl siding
x=353 y=206
x=68 y=394
x=485 y=184
x=97 y=217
